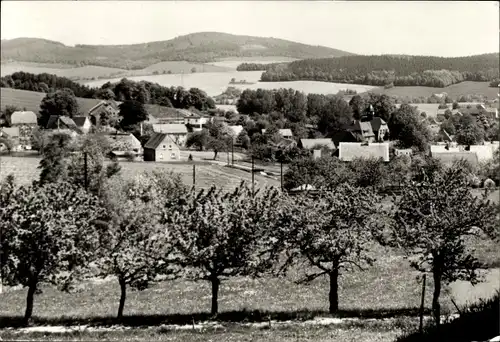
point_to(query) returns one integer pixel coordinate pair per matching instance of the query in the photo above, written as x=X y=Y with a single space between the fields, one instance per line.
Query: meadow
x=90 y=72
x=25 y=170
x=215 y=83
x=454 y=91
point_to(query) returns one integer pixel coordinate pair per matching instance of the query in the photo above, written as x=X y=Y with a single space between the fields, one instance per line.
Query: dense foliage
x=390 y=70
x=44 y=83
x=431 y=222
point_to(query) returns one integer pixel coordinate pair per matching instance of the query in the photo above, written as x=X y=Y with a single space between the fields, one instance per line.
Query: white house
x=349 y=151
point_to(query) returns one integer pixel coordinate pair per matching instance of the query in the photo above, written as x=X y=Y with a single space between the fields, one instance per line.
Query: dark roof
x=376 y=122
x=56 y=121
x=156 y=139
x=79 y=120
x=166 y=112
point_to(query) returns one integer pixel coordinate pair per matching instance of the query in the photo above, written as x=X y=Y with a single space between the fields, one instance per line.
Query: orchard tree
x=134 y=246
x=198 y=139
x=383 y=105
x=431 y=222
x=330 y=234
x=407 y=127
x=469 y=132
x=325 y=172
x=220 y=137
x=334 y=116
x=61 y=102
x=55 y=158
x=132 y=113
x=358 y=106
x=48 y=235
x=221 y=234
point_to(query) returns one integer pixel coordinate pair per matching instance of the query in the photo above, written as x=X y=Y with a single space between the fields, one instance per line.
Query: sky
x=363 y=27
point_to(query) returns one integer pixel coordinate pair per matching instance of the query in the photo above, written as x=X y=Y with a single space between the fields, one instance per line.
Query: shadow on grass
x=242 y=316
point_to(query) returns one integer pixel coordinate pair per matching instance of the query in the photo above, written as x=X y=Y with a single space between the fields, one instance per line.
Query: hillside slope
x=196 y=47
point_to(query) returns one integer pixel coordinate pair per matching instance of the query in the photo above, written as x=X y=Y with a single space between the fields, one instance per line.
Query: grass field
x=455 y=90
x=90 y=72
x=215 y=83
x=25 y=170
x=31 y=100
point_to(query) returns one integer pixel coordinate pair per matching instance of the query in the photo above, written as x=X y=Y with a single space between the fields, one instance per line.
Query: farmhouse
x=83 y=123
x=12 y=133
x=485 y=152
x=285 y=133
x=349 y=151
x=57 y=122
x=196 y=120
x=123 y=144
x=312 y=143
x=178 y=132
x=25 y=122
x=161 y=147
x=107 y=108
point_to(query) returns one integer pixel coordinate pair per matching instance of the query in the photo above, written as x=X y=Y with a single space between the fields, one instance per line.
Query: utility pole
x=85 y=171
x=194 y=175
x=253 y=177
x=421 y=328
x=281 y=173
x=232 y=151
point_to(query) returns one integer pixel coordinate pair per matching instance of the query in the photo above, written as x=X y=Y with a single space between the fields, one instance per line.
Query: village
x=249 y=171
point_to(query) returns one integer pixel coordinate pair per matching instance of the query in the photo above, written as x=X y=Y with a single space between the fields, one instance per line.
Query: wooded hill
x=389 y=70
x=199 y=47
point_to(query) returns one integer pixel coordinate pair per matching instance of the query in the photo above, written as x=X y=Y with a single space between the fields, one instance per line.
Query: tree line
x=152 y=228
x=389 y=70
x=124 y=90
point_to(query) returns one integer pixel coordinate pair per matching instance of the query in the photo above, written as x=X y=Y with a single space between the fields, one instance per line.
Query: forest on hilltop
x=388 y=70
x=199 y=47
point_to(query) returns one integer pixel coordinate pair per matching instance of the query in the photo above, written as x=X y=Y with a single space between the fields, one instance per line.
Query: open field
x=215 y=83
x=25 y=170
x=389 y=289
x=455 y=90
x=90 y=72
x=31 y=100
x=233 y=63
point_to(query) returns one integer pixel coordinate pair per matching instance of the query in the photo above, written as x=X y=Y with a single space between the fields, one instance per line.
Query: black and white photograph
x=254 y=171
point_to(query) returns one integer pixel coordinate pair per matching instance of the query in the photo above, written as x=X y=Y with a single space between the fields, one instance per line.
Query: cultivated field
x=215 y=83
x=25 y=170
x=94 y=72
x=455 y=90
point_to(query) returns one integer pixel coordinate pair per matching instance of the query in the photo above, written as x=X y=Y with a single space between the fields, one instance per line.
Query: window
x=164 y=146
x=169 y=147
x=172 y=155
x=161 y=155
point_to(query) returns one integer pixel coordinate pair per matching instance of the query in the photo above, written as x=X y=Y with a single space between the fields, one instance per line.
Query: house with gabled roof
x=449 y=157
x=178 y=132
x=22 y=118
x=285 y=133
x=83 y=123
x=161 y=147
x=57 y=122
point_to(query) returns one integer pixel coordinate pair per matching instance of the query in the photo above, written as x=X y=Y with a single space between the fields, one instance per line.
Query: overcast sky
x=416 y=28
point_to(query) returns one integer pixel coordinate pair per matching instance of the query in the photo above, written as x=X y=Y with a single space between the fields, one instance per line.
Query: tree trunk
x=215 y=155
x=334 y=291
x=215 y=295
x=123 y=296
x=436 y=308
x=29 y=302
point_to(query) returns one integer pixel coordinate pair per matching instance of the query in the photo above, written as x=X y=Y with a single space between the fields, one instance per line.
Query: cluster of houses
x=366 y=137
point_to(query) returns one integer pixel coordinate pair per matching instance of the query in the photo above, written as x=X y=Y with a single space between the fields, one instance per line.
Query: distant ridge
x=199 y=47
